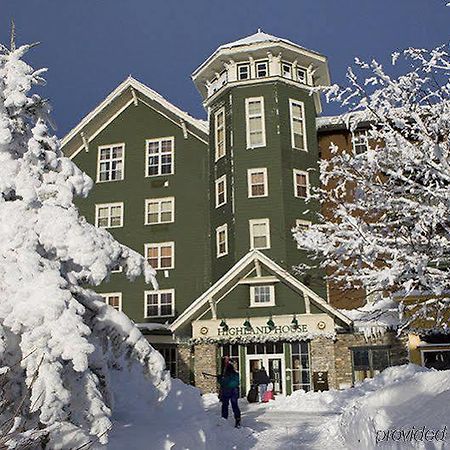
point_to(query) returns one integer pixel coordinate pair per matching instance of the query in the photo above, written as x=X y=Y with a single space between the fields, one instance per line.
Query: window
x=110 y=162
x=438 y=359
x=360 y=141
x=219 y=124
x=113 y=299
x=159 y=210
x=169 y=353
x=161 y=255
x=369 y=361
x=262 y=69
x=243 y=71
x=159 y=303
x=109 y=215
x=269 y=348
x=262 y=295
x=300 y=366
x=222 y=240
x=221 y=191
x=301 y=75
x=257 y=182
x=286 y=70
x=230 y=351
x=298 y=129
x=301 y=184
x=117 y=268
x=259 y=233
x=302 y=225
x=160 y=156
x=256 y=134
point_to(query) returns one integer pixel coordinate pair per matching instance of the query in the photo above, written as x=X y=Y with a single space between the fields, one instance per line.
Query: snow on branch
x=385 y=221
x=58 y=340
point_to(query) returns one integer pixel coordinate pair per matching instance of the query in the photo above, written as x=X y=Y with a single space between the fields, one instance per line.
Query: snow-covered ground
x=398 y=399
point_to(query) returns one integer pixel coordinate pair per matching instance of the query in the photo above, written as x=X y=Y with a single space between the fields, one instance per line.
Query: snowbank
x=381 y=413
x=179 y=422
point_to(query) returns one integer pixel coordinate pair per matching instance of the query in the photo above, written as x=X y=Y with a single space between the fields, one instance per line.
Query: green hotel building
x=212 y=206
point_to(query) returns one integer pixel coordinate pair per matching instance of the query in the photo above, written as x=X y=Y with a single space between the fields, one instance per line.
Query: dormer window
x=262 y=69
x=243 y=71
x=286 y=70
x=301 y=76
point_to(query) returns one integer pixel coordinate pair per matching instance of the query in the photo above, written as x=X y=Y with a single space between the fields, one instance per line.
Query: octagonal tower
x=263 y=145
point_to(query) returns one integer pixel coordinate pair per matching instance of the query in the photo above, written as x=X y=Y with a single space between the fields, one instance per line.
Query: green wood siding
x=189 y=187
x=281 y=207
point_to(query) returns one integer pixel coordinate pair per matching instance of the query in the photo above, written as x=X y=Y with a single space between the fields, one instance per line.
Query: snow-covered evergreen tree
x=58 y=339
x=385 y=222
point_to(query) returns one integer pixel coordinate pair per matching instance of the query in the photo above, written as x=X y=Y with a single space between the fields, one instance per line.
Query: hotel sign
x=307 y=323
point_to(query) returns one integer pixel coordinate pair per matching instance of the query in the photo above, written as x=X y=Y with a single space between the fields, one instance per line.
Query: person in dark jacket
x=229 y=388
x=262 y=380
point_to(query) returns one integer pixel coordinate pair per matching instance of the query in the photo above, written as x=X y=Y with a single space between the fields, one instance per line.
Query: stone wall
x=184 y=364
x=205 y=360
x=322 y=359
x=343 y=359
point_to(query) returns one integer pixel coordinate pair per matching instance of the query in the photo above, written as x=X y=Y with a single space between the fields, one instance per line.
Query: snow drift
x=399 y=403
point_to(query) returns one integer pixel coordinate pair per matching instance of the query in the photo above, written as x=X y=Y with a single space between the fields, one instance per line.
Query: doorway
x=275 y=368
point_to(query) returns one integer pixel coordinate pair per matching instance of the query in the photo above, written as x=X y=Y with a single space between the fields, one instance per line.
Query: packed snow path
x=266 y=428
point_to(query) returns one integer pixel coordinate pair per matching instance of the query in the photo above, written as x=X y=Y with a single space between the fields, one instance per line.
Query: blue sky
x=90 y=46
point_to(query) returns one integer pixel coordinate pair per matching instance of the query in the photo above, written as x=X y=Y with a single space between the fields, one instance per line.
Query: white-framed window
x=160 y=156
x=257 y=183
x=159 y=210
x=160 y=255
x=302 y=225
x=160 y=303
x=301 y=184
x=113 y=299
x=222 y=240
x=117 y=269
x=259 y=233
x=286 y=70
x=243 y=71
x=219 y=133
x=262 y=69
x=262 y=295
x=110 y=163
x=221 y=191
x=109 y=215
x=302 y=75
x=360 y=141
x=298 y=127
x=254 y=115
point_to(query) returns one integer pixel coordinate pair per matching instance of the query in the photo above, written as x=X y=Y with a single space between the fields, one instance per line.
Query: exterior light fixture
x=248 y=325
x=223 y=325
x=294 y=323
x=271 y=324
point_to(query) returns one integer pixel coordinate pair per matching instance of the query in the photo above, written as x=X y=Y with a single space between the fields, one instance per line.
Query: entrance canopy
x=222 y=311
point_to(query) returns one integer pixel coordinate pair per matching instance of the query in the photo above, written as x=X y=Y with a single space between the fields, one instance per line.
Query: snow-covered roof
x=250 y=258
x=253 y=41
x=343 y=121
x=137 y=86
x=258 y=37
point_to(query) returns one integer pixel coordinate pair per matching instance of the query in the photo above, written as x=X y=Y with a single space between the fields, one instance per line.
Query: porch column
x=205 y=360
x=323 y=359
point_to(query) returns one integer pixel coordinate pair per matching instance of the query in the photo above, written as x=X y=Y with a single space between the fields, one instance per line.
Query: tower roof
x=255 y=38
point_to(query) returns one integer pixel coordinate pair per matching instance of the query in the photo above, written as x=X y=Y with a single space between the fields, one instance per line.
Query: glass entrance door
x=275 y=373
x=274 y=366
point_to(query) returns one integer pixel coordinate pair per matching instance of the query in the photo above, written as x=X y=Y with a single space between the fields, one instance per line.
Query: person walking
x=229 y=392
x=262 y=380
